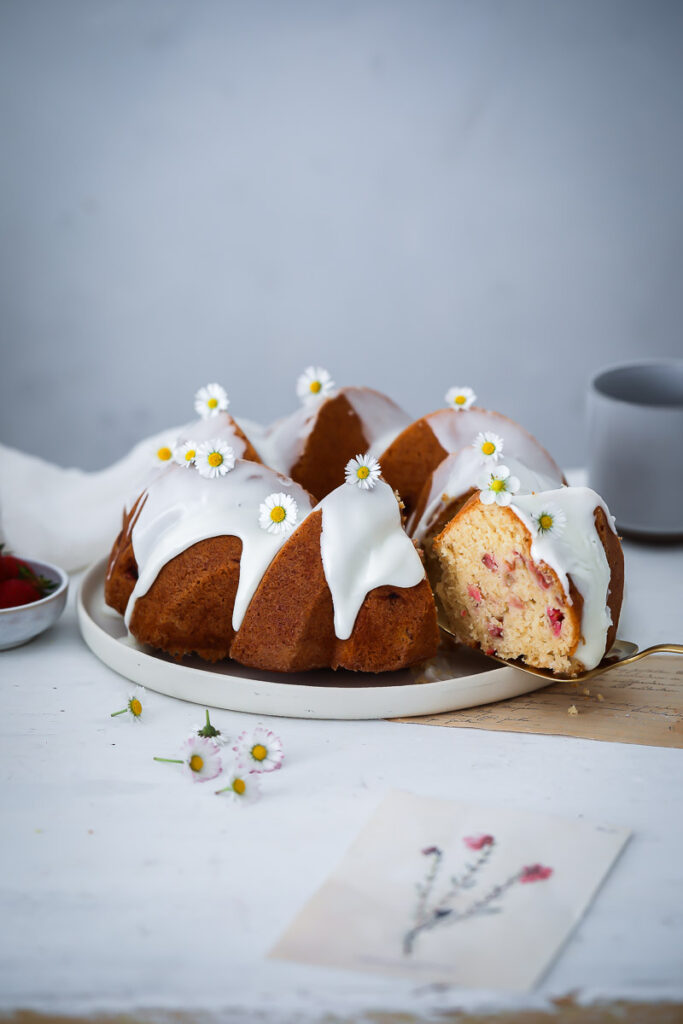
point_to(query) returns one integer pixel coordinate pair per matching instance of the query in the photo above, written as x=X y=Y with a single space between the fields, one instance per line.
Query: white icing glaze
x=363 y=546
x=577 y=552
x=219 y=427
x=381 y=418
x=461 y=471
x=183 y=508
x=282 y=444
x=454 y=430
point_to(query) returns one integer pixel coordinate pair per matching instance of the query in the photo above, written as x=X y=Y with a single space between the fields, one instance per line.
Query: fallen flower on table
x=202 y=759
x=134 y=706
x=243 y=785
x=260 y=750
x=209 y=732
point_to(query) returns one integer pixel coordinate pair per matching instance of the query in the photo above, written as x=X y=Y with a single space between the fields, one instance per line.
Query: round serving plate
x=456 y=678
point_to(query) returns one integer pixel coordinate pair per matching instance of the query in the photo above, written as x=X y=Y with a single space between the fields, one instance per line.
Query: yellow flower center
x=164 y=454
x=488 y=447
x=212 y=403
x=277 y=514
x=196 y=763
x=215 y=459
x=135 y=707
x=497 y=486
x=546 y=521
x=460 y=399
x=259 y=752
x=239 y=785
x=315 y=386
x=362 y=472
x=190 y=454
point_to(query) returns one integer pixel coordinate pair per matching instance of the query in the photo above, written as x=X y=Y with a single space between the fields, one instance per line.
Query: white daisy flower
x=163 y=454
x=364 y=471
x=211 y=400
x=243 y=787
x=498 y=486
x=489 y=446
x=314 y=383
x=460 y=398
x=278 y=513
x=202 y=758
x=209 y=731
x=214 y=458
x=135 y=704
x=185 y=454
x=260 y=750
x=551 y=519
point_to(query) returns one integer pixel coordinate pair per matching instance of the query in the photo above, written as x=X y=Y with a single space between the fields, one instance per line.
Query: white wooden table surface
x=123 y=885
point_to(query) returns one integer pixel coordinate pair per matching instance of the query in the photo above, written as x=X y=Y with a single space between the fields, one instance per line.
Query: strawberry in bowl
x=32 y=597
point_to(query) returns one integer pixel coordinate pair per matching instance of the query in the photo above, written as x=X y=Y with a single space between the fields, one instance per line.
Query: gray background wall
x=411 y=194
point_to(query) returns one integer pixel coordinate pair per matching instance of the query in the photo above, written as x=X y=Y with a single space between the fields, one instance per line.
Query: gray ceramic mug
x=635 y=444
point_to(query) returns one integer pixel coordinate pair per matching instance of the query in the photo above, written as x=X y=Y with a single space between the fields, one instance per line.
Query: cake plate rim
x=232 y=687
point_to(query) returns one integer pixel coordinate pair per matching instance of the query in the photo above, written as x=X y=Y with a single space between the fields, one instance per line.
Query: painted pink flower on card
x=478 y=842
x=535 y=873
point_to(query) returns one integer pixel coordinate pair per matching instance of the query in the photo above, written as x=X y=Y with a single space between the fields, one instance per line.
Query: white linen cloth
x=70 y=516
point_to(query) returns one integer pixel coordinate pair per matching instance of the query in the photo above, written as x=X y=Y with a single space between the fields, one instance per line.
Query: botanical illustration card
x=453 y=892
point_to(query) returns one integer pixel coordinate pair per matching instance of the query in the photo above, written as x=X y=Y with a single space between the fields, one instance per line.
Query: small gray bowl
x=23 y=623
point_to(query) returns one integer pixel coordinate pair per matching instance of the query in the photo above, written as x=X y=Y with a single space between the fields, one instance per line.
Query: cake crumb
x=600 y=697
x=573 y=710
x=586 y=692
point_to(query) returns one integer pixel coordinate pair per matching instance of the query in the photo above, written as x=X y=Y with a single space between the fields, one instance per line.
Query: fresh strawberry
x=13 y=568
x=17 y=592
x=10 y=567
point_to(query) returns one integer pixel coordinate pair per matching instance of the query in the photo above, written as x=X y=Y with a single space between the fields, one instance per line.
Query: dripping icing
x=183 y=508
x=363 y=544
x=577 y=552
x=460 y=472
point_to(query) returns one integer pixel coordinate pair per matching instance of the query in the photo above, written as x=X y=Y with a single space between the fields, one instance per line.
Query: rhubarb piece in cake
x=533 y=576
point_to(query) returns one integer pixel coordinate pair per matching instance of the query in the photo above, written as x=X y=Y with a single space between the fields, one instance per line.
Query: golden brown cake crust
x=338 y=436
x=122 y=569
x=409 y=462
x=615 y=558
x=289 y=624
x=188 y=608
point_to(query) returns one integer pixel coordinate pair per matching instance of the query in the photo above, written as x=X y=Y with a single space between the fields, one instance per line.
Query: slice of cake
x=539 y=577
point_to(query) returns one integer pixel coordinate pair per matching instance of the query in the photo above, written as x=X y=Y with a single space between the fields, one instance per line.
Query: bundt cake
x=409 y=461
x=313 y=445
x=456 y=479
x=533 y=576
x=215 y=422
x=235 y=560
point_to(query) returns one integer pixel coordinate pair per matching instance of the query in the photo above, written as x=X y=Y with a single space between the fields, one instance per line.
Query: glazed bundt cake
x=313 y=445
x=215 y=422
x=240 y=563
x=450 y=485
x=411 y=459
x=534 y=576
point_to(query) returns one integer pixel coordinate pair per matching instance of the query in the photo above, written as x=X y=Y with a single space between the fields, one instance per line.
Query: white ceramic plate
x=454 y=679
